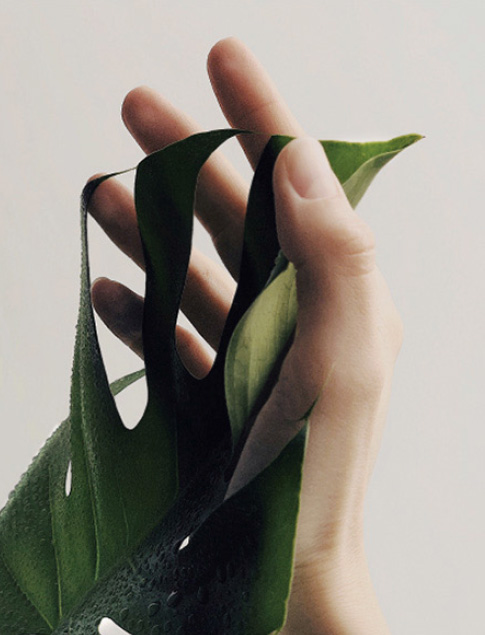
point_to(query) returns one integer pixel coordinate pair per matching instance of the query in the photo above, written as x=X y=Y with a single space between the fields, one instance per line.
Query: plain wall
x=349 y=70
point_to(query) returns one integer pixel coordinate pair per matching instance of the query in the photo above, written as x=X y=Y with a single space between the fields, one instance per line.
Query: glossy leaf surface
x=112 y=546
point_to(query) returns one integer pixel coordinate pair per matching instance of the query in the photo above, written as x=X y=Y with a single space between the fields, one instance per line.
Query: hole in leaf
x=210 y=284
x=107 y=261
x=108 y=627
x=131 y=403
x=184 y=543
x=68 y=484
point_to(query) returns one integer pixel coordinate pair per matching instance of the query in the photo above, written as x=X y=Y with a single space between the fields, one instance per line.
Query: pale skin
x=347 y=338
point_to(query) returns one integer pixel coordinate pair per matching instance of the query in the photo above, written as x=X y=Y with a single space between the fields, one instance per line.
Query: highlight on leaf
x=99 y=525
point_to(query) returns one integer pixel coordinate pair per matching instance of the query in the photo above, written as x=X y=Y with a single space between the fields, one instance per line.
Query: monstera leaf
x=145 y=535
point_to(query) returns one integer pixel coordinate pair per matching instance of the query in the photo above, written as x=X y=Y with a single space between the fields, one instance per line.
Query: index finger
x=248 y=97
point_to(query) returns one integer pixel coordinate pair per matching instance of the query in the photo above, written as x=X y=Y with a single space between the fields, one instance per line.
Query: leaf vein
x=56 y=554
x=23 y=592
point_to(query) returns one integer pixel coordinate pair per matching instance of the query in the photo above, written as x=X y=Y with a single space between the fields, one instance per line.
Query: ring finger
x=208 y=289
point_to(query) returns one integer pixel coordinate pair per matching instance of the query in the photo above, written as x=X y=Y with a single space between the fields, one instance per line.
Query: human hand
x=347 y=338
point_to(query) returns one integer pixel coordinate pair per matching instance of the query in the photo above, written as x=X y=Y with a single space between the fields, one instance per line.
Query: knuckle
x=221 y=233
x=289 y=403
x=133 y=102
x=360 y=237
x=283 y=402
x=298 y=386
x=355 y=247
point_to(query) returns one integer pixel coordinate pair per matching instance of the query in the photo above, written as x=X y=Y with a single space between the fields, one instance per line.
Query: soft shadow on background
x=349 y=70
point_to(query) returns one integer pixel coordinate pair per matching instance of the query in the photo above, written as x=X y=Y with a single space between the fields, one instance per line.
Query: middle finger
x=248 y=97
x=221 y=193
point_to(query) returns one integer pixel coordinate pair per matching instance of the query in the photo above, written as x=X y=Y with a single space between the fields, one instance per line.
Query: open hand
x=347 y=338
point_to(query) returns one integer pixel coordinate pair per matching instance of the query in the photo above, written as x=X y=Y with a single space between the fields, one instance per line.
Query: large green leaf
x=111 y=547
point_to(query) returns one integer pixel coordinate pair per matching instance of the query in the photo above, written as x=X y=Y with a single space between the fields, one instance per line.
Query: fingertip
x=96 y=176
x=91 y=193
x=316 y=223
x=306 y=168
x=194 y=356
x=103 y=294
x=134 y=98
x=224 y=52
x=135 y=104
x=291 y=208
x=113 y=299
x=99 y=281
x=94 y=205
x=121 y=310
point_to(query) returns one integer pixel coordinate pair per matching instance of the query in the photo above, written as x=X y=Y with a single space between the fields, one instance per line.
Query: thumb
x=332 y=250
x=317 y=227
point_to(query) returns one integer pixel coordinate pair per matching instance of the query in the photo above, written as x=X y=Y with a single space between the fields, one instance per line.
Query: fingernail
x=309 y=171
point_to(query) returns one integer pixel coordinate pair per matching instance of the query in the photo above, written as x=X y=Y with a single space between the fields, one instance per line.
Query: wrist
x=334 y=596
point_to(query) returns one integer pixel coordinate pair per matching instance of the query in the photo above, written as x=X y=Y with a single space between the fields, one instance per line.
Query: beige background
x=350 y=70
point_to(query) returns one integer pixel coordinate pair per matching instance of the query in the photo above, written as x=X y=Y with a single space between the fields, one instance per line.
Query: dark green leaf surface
x=111 y=548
